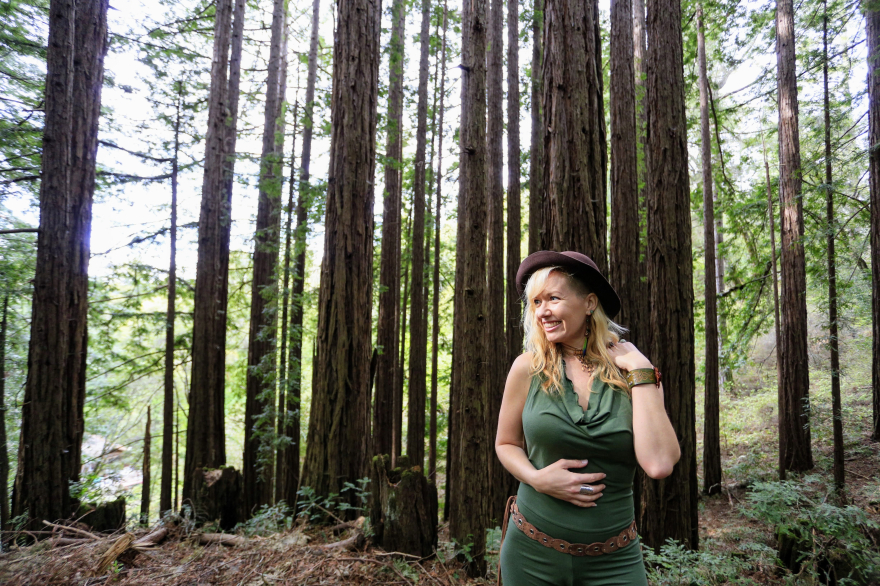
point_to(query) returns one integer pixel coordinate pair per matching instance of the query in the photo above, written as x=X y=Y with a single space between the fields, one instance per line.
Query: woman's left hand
x=627 y=357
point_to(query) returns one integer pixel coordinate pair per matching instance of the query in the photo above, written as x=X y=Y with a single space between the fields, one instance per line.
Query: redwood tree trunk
x=257 y=460
x=205 y=432
x=536 y=150
x=670 y=257
x=4 y=455
x=435 y=326
x=339 y=439
x=145 y=471
x=387 y=332
x=165 y=503
x=293 y=415
x=836 y=415
x=418 y=346
x=574 y=131
x=514 y=197
x=467 y=496
x=872 y=18
x=52 y=410
x=625 y=242
x=794 y=391
x=493 y=329
x=711 y=426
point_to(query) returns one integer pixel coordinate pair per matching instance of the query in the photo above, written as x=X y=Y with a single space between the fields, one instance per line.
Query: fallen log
x=62 y=541
x=154 y=538
x=119 y=547
x=222 y=539
x=82 y=532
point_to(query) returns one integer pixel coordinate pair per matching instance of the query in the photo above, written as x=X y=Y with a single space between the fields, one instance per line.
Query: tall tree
x=338 y=442
x=872 y=19
x=468 y=465
x=205 y=432
x=258 y=462
x=574 y=131
x=493 y=328
x=669 y=262
x=418 y=346
x=293 y=412
x=625 y=246
x=711 y=415
x=4 y=455
x=285 y=401
x=794 y=392
x=52 y=410
x=536 y=149
x=777 y=321
x=514 y=184
x=165 y=503
x=387 y=332
x=145 y=472
x=836 y=415
x=435 y=325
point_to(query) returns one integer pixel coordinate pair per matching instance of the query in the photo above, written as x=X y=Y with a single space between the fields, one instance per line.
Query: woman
x=581 y=408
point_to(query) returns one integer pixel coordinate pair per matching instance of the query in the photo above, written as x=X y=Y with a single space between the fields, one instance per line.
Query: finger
x=587 y=498
x=590 y=478
x=581 y=502
x=566 y=464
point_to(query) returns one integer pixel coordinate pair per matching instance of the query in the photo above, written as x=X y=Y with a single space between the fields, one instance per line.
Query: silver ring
x=621 y=341
x=586 y=489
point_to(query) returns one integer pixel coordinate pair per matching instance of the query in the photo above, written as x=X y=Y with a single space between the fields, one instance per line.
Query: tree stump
x=403 y=513
x=217 y=496
x=103 y=517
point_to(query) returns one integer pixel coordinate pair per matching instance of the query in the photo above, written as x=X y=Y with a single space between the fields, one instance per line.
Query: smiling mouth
x=551 y=325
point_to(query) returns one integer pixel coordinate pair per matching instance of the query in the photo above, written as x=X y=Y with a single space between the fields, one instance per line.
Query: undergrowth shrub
x=820 y=541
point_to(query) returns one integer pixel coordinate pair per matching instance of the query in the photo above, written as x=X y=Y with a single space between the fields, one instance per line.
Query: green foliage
x=316 y=508
x=268 y=520
x=832 y=539
x=676 y=565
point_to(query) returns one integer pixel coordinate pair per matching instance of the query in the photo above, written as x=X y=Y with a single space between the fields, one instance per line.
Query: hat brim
x=597 y=283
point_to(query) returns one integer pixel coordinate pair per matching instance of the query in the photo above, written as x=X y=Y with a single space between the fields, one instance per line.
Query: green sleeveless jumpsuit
x=555 y=428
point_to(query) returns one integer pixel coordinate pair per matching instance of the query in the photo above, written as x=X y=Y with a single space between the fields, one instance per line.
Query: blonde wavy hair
x=547 y=356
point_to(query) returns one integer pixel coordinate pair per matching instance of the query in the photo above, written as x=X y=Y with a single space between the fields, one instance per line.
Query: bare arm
x=554 y=480
x=655 y=442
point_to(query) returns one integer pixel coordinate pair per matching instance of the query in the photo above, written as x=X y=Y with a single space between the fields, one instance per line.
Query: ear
x=591 y=302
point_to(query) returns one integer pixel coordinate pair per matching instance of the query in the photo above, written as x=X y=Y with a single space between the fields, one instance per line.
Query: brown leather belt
x=626 y=536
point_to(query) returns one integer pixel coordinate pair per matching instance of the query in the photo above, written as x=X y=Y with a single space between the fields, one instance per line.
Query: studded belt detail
x=626 y=537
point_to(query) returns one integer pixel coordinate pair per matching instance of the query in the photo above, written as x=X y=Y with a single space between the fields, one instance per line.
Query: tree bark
x=669 y=262
x=625 y=247
x=794 y=393
x=574 y=131
x=711 y=426
x=514 y=196
x=493 y=329
x=293 y=415
x=52 y=410
x=536 y=150
x=435 y=326
x=339 y=439
x=145 y=471
x=165 y=503
x=837 y=416
x=467 y=497
x=387 y=332
x=872 y=18
x=205 y=433
x=4 y=455
x=418 y=346
x=400 y=382
x=284 y=397
x=258 y=460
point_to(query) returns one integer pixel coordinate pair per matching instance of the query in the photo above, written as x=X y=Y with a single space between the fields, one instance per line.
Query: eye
x=552 y=297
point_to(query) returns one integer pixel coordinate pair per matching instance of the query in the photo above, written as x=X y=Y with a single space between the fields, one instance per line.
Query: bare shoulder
x=520 y=370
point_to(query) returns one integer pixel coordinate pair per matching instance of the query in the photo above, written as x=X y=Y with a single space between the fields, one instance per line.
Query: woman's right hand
x=557 y=481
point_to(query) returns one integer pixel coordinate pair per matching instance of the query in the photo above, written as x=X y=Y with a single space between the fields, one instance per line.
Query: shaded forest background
x=153 y=169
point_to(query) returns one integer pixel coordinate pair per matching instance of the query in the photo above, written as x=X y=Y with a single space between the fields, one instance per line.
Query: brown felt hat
x=580 y=265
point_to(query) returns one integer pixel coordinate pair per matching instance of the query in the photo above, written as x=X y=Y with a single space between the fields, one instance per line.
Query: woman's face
x=560 y=312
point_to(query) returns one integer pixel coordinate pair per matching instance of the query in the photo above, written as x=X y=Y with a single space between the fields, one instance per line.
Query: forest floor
x=738 y=542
